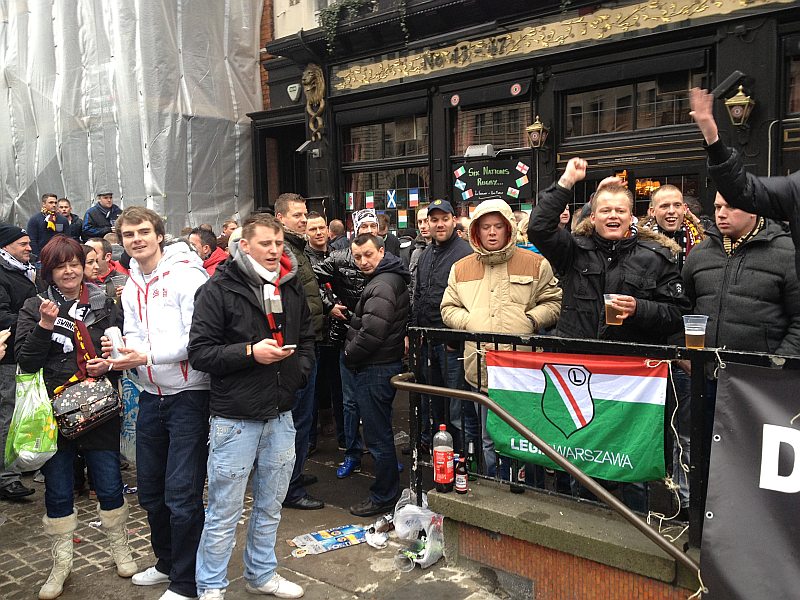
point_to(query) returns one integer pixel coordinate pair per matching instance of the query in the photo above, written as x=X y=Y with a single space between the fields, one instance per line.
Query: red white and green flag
x=605 y=414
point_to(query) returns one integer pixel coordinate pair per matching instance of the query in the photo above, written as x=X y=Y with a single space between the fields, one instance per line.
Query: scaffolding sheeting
x=145 y=98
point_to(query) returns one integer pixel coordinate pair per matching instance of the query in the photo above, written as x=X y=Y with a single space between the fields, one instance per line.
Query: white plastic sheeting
x=145 y=98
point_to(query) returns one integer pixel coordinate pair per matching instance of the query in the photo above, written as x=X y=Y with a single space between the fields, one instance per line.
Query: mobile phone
x=289 y=347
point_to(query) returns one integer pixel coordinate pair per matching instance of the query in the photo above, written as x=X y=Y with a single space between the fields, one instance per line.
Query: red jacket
x=217 y=256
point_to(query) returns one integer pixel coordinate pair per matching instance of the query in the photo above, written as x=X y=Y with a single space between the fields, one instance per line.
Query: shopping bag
x=32 y=435
x=129 y=392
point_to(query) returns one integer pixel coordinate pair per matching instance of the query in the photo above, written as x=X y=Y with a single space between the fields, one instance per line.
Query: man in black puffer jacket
x=606 y=256
x=373 y=354
x=244 y=319
x=776 y=198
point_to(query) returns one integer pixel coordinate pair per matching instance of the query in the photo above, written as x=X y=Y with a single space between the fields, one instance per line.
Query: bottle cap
x=442 y=427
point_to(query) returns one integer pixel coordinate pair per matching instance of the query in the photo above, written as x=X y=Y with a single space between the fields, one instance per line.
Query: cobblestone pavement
x=349 y=573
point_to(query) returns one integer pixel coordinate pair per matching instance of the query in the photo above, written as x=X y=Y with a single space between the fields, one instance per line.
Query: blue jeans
x=303 y=417
x=352 y=440
x=59 y=478
x=375 y=395
x=171 y=451
x=442 y=366
x=683 y=423
x=236 y=448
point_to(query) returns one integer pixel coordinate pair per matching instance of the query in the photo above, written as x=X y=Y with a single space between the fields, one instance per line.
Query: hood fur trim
x=586 y=229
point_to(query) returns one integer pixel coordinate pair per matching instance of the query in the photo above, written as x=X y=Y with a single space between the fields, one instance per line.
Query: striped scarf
x=50 y=219
x=731 y=245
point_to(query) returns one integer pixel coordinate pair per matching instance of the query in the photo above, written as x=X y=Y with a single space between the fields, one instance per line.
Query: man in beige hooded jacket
x=500 y=288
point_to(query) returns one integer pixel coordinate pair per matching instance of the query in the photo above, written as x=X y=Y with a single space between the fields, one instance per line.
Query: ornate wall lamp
x=537 y=133
x=739 y=107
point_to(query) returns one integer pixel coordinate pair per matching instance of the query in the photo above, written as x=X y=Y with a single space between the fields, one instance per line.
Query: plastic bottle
x=461 y=477
x=443 y=472
x=472 y=461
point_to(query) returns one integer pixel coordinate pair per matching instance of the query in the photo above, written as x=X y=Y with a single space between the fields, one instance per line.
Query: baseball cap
x=442 y=205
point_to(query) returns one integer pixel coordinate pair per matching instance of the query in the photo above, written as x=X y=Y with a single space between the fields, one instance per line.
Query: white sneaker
x=218 y=594
x=150 y=576
x=278 y=587
x=170 y=595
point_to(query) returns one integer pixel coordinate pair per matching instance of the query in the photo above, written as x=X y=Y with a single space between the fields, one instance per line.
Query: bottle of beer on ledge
x=443 y=471
x=462 y=477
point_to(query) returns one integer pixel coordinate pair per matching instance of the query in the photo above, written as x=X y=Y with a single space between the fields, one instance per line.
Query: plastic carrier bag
x=424 y=528
x=32 y=435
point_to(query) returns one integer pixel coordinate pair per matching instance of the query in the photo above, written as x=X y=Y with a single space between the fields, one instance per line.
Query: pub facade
x=395 y=103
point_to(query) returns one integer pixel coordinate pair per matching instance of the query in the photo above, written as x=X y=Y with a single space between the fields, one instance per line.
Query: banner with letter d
x=605 y=414
x=751 y=533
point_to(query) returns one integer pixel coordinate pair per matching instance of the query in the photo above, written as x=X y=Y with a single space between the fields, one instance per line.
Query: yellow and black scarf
x=730 y=244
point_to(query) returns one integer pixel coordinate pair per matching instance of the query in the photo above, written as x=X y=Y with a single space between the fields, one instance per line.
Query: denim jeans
x=442 y=366
x=171 y=452
x=683 y=424
x=303 y=417
x=8 y=388
x=236 y=448
x=350 y=408
x=59 y=478
x=375 y=395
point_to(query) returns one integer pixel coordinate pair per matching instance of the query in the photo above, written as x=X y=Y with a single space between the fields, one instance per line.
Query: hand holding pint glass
x=694 y=328
x=613 y=314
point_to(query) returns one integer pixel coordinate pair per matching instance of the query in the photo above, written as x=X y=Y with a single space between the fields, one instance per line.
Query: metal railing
x=699 y=442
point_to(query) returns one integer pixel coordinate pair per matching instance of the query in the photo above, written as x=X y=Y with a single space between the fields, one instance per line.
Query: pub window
x=793 y=80
x=385 y=168
x=403 y=136
x=502 y=126
x=659 y=102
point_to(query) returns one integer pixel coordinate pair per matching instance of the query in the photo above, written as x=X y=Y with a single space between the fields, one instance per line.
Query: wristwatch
x=149 y=360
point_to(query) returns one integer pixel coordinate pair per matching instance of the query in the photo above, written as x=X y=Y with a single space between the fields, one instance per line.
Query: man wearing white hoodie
x=172 y=426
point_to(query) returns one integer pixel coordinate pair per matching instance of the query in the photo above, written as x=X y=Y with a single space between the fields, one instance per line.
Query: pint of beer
x=612 y=314
x=694 y=328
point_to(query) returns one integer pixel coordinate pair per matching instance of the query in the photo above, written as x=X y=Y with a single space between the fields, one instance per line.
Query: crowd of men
x=250 y=344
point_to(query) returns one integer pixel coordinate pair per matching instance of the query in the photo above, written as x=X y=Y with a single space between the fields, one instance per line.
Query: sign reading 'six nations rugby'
x=605 y=414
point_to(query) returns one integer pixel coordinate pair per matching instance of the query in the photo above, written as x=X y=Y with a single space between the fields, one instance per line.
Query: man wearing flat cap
x=100 y=218
x=17 y=275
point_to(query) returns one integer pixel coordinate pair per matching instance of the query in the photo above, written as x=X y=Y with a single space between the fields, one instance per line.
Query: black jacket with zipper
x=15 y=289
x=430 y=281
x=378 y=327
x=641 y=266
x=228 y=315
x=752 y=297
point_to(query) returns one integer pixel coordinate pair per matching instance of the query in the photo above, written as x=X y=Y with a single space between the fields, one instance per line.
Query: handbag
x=85 y=405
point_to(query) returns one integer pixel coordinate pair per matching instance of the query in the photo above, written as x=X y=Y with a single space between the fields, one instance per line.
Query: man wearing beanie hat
x=367 y=217
x=17 y=275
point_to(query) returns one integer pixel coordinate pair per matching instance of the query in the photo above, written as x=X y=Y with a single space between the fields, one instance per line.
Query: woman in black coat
x=51 y=326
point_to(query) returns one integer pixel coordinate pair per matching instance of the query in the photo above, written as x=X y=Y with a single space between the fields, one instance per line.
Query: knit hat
x=366 y=215
x=10 y=234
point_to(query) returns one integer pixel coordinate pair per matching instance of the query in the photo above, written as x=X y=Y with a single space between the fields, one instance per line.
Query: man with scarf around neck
x=47 y=223
x=372 y=356
x=291 y=212
x=606 y=255
x=17 y=276
x=172 y=426
x=244 y=319
x=741 y=277
x=670 y=215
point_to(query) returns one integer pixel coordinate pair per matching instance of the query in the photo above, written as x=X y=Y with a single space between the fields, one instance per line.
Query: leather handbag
x=85 y=405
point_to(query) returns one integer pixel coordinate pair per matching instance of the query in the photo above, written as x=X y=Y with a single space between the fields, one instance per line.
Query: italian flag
x=605 y=414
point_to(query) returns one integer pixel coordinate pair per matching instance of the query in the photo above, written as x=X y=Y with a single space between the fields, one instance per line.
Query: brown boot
x=61 y=530
x=114 y=522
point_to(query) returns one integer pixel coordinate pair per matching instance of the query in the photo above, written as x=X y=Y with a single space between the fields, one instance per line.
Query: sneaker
x=278 y=587
x=170 y=595
x=212 y=595
x=150 y=576
x=348 y=467
x=38 y=477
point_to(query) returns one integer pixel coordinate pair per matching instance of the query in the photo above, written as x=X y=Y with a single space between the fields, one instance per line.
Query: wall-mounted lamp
x=739 y=107
x=537 y=133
